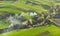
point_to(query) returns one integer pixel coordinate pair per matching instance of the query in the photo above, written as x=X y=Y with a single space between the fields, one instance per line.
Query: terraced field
x=27 y=6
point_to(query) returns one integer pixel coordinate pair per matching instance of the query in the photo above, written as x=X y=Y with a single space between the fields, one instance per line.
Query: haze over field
x=29 y=17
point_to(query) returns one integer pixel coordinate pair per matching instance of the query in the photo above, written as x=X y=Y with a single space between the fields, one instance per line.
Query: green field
x=54 y=31
x=19 y=7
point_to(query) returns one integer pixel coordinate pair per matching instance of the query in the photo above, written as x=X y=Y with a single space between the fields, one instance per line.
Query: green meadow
x=21 y=6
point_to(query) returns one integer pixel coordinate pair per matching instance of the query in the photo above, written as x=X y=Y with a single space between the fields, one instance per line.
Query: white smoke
x=33 y=13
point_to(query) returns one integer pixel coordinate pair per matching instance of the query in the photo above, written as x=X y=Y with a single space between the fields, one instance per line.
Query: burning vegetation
x=30 y=18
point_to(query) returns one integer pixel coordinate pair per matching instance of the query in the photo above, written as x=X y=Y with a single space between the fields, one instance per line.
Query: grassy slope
x=54 y=31
x=3 y=24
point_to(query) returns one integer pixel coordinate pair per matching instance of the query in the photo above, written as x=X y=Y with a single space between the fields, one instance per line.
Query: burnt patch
x=5 y=14
x=44 y=33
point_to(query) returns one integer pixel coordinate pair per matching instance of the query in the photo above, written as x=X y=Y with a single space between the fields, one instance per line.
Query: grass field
x=33 y=31
x=54 y=31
